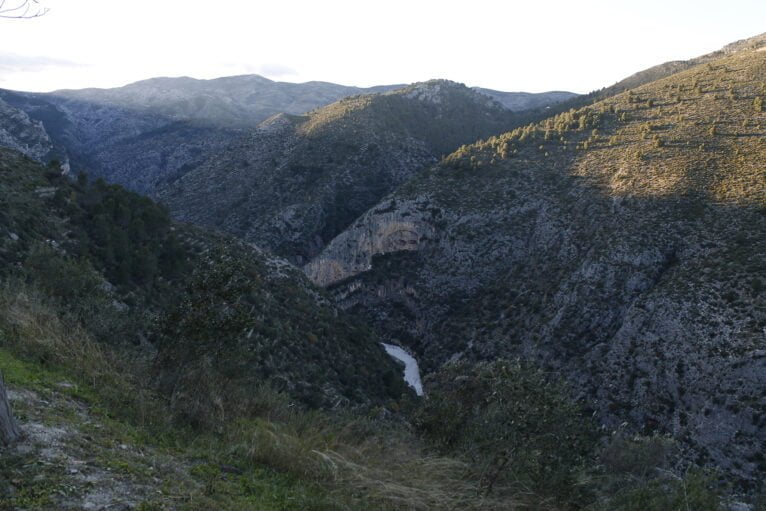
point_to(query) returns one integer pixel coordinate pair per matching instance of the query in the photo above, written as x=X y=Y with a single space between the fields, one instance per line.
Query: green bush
x=696 y=491
x=517 y=426
x=59 y=275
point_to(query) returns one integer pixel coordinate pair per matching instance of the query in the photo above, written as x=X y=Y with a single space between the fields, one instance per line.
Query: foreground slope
x=622 y=245
x=297 y=181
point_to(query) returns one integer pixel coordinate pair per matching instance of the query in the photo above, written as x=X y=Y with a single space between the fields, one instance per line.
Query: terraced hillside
x=297 y=181
x=621 y=245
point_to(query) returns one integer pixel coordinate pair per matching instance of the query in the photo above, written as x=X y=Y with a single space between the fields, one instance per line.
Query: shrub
x=517 y=427
x=696 y=490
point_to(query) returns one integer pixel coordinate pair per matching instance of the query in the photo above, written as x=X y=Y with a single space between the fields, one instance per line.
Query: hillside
x=668 y=68
x=199 y=307
x=134 y=148
x=621 y=245
x=297 y=181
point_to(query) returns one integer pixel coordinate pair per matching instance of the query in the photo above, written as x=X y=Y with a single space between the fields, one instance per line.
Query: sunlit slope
x=699 y=132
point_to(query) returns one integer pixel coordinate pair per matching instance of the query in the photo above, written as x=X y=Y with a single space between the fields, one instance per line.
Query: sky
x=507 y=45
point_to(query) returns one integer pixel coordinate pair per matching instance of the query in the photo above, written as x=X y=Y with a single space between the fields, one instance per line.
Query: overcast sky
x=501 y=44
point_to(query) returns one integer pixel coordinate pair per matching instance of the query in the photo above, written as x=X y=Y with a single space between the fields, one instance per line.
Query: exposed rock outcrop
x=18 y=131
x=391 y=227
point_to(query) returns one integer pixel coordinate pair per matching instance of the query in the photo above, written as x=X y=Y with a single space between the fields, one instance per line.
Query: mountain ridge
x=150 y=132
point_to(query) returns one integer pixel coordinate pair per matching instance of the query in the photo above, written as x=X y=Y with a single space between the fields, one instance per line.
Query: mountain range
x=153 y=131
x=600 y=259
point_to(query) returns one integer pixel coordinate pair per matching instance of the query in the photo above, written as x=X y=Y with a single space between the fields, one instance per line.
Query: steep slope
x=216 y=318
x=296 y=182
x=622 y=245
x=18 y=131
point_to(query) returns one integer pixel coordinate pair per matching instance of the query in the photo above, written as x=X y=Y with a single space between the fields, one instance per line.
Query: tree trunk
x=9 y=429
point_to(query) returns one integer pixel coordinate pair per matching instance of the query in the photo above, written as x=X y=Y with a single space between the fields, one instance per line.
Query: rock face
x=392 y=227
x=295 y=182
x=18 y=131
x=622 y=246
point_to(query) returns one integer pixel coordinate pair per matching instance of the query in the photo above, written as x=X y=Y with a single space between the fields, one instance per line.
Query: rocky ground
x=72 y=458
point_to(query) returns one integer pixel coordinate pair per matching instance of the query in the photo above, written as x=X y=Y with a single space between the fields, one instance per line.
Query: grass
x=284 y=458
x=130 y=449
